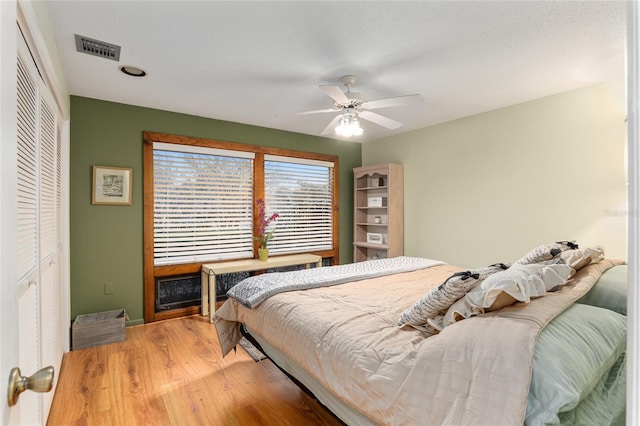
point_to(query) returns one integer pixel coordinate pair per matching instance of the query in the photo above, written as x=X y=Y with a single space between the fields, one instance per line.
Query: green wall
x=107 y=241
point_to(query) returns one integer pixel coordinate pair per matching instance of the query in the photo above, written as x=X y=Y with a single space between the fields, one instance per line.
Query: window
x=199 y=201
x=202 y=204
x=301 y=191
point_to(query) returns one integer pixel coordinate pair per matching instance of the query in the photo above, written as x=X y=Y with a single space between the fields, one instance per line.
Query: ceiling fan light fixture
x=352 y=107
x=349 y=125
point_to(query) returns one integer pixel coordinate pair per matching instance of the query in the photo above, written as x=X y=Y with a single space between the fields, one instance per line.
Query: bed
x=545 y=360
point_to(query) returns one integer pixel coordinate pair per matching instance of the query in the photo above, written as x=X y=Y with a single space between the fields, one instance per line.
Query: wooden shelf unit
x=378 y=197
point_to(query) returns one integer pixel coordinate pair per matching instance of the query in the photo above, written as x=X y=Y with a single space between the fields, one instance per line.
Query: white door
x=8 y=189
x=31 y=297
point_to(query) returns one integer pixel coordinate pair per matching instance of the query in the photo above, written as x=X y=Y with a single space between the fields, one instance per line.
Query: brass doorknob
x=41 y=381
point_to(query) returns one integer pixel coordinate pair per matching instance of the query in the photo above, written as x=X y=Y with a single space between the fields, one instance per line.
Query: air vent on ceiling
x=97 y=48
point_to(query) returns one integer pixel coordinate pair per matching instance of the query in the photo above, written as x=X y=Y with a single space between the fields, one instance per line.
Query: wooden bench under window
x=210 y=270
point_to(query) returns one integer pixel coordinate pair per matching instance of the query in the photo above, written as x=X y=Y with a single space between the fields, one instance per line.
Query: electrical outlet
x=108 y=288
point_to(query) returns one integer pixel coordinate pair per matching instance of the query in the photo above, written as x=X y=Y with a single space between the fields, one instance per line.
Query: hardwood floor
x=172 y=373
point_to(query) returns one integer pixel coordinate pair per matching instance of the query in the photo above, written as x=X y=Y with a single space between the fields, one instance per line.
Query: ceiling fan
x=352 y=107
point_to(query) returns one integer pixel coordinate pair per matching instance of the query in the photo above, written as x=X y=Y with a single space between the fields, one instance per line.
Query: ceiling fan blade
x=391 y=102
x=380 y=120
x=318 y=111
x=336 y=94
x=331 y=127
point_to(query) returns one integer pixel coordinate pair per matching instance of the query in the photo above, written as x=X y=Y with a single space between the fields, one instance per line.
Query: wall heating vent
x=177 y=292
x=97 y=48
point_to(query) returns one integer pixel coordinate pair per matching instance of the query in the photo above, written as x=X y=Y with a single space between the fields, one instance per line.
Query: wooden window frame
x=151 y=272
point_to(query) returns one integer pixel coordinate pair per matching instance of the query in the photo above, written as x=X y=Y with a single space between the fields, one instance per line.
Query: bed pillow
x=581 y=257
x=438 y=299
x=460 y=310
x=578 y=356
x=610 y=291
x=518 y=283
x=546 y=252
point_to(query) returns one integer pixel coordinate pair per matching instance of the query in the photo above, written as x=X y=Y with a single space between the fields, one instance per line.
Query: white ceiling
x=261 y=62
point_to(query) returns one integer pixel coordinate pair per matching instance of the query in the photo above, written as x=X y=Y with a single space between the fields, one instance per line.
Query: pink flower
x=263 y=236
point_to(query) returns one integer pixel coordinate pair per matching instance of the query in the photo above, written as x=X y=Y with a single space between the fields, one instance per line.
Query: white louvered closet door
x=38 y=215
x=30 y=406
x=50 y=340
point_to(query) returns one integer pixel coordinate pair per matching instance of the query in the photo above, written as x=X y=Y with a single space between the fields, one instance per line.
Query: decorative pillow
x=438 y=299
x=546 y=252
x=486 y=271
x=427 y=329
x=518 y=283
x=460 y=310
x=579 y=258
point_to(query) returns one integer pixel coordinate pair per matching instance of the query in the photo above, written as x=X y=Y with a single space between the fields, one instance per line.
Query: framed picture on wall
x=112 y=185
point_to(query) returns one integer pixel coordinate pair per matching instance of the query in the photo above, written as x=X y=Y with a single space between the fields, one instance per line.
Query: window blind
x=203 y=204
x=301 y=191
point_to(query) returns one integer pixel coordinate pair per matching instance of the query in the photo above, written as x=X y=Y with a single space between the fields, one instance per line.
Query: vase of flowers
x=264 y=236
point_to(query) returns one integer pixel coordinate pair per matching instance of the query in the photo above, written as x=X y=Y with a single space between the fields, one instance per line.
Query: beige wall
x=489 y=187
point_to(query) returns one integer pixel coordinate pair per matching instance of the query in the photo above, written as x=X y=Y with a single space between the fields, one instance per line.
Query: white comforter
x=474 y=372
